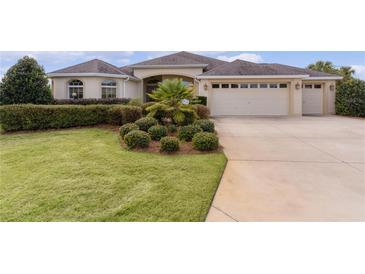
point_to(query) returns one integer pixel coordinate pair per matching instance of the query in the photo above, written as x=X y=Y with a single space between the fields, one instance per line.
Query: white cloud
x=251 y=57
x=359 y=71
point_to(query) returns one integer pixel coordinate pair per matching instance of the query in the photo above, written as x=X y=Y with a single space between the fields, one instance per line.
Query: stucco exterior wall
x=188 y=72
x=132 y=89
x=92 y=87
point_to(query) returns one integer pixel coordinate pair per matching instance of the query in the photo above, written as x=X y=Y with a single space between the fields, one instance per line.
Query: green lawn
x=84 y=175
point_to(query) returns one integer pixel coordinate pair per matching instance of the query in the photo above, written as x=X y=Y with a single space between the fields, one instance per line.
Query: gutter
x=251 y=76
x=324 y=78
x=87 y=74
x=171 y=66
x=125 y=80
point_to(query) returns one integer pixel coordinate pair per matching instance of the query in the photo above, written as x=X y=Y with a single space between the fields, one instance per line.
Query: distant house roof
x=93 y=66
x=181 y=59
x=244 y=68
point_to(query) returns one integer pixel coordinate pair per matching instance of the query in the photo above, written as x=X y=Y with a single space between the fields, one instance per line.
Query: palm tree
x=174 y=98
x=324 y=66
x=346 y=73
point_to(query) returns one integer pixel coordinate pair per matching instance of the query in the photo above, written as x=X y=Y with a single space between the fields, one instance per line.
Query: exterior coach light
x=297 y=86
x=205 y=86
x=332 y=87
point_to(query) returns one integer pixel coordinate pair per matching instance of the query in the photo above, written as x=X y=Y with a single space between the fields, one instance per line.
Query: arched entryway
x=151 y=83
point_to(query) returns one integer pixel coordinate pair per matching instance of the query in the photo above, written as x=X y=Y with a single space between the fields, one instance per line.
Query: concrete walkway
x=291 y=169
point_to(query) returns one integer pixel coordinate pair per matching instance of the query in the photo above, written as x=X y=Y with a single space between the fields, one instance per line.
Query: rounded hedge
x=157 y=132
x=145 y=123
x=171 y=128
x=123 y=130
x=205 y=124
x=350 y=98
x=137 y=138
x=186 y=133
x=205 y=141
x=169 y=144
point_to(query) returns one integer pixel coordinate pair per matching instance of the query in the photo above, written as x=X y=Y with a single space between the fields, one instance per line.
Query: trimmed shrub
x=146 y=122
x=157 y=132
x=135 y=102
x=186 y=133
x=137 y=138
x=202 y=111
x=120 y=115
x=31 y=117
x=169 y=144
x=205 y=141
x=350 y=98
x=123 y=130
x=145 y=106
x=205 y=124
x=171 y=128
x=109 y=101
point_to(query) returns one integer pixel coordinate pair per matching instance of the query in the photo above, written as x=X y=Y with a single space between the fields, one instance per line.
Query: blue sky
x=52 y=60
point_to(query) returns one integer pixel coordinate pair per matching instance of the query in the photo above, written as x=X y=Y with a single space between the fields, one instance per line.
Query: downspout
x=125 y=80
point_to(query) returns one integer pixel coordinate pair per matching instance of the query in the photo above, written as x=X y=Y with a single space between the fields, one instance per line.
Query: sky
x=54 y=60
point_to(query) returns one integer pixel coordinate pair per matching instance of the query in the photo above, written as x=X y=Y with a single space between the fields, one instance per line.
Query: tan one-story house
x=231 y=88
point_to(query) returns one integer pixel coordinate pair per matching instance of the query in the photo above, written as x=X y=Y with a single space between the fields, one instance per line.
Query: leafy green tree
x=25 y=82
x=174 y=98
x=350 y=98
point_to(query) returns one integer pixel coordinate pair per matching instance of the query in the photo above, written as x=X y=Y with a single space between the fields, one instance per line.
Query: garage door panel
x=312 y=101
x=250 y=102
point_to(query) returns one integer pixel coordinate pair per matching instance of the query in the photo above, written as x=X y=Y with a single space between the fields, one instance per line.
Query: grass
x=84 y=175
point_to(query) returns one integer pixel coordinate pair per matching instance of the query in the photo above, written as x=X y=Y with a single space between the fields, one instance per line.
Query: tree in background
x=25 y=82
x=328 y=67
x=350 y=95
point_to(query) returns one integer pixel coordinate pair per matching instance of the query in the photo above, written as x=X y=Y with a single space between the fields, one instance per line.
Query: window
x=215 y=85
x=317 y=86
x=76 y=89
x=225 y=85
x=273 y=85
x=244 y=85
x=263 y=85
x=254 y=85
x=283 y=85
x=108 y=89
x=307 y=86
x=234 y=85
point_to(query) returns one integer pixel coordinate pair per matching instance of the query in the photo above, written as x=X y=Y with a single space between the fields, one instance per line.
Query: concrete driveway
x=291 y=169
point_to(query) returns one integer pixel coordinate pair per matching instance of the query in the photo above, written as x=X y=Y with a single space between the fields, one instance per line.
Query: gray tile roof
x=93 y=66
x=244 y=68
x=182 y=58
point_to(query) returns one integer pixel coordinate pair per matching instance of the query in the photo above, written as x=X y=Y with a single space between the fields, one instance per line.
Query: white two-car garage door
x=246 y=99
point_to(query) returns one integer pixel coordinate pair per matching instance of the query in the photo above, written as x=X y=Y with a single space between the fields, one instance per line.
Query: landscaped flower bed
x=172 y=123
x=156 y=138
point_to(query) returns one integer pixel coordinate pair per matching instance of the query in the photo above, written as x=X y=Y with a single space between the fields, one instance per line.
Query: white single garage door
x=250 y=101
x=312 y=99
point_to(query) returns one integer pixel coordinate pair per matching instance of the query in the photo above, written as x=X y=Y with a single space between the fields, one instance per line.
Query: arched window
x=109 y=89
x=76 y=89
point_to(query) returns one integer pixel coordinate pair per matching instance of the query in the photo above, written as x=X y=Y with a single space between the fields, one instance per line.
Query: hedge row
x=350 y=98
x=31 y=117
x=110 y=101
